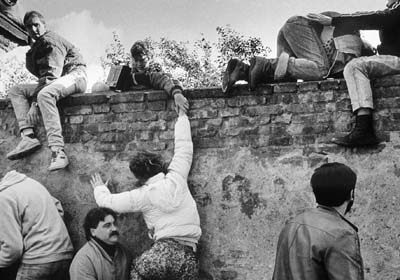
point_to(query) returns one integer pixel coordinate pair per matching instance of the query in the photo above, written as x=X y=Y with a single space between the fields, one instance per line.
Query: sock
x=28 y=132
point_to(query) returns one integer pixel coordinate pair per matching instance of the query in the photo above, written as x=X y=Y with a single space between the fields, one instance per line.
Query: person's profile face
x=106 y=231
x=35 y=27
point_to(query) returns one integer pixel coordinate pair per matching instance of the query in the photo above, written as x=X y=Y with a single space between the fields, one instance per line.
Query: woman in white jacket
x=168 y=208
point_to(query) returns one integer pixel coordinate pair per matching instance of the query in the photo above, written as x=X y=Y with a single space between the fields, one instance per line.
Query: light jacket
x=168 y=208
x=31 y=228
x=93 y=263
x=51 y=57
x=386 y=21
x=319 y=244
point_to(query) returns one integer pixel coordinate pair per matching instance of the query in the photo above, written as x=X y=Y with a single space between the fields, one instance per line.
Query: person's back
x=35 y=232
x=309 y=240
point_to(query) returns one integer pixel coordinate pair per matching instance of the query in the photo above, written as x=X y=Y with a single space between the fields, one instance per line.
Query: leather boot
x=236 y=70
x=362 y=134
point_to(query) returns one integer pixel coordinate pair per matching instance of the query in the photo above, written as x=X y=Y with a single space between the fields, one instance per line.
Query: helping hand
x=181 y=103
x=33 y=114
x=320 y=18
x=97 y=181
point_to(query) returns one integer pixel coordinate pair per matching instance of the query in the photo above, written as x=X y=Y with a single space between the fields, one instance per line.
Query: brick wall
x=254 y=155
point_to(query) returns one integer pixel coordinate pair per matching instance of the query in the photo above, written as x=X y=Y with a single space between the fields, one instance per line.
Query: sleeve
x=343 y=260
x=29 y=63
x=183 y=153
x=50 y=62
x=368 y=21
x=131 y=201
x=160 y=80
x=11 y=241
x=58 y=205
x=82 y=268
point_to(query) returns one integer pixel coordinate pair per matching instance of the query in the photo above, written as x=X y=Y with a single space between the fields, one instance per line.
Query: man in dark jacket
x=61 y=72
x=360 y=71
x=320 y=244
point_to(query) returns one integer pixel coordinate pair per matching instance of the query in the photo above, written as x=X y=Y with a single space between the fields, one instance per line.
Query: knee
x=15 y=91
x=354 y=65
x=44 y=96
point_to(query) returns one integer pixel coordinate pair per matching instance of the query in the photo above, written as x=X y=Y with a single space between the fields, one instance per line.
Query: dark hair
x=332 y=184
x=94 y=216
x=139 y=48
x=32 y=14
x=145 y=164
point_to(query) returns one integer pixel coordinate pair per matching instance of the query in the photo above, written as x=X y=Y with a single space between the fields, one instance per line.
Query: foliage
x=195 y=65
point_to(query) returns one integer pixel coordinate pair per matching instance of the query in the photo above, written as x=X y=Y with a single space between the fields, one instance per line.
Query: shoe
x=59 y=160
x=26 y=146
x=261 y=71
x=361 y=135
x=236 y=70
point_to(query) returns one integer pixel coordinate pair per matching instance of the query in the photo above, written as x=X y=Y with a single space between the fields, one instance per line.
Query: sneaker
x=26 y=146
x=59 y=160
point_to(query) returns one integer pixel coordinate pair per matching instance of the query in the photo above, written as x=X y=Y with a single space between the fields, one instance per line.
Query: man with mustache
x=102 y=257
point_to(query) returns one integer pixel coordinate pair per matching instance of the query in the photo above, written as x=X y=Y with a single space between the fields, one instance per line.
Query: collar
x=155 y=178
x=335 y=212
x=109 y=249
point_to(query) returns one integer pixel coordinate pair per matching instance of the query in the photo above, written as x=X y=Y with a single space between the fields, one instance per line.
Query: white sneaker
x=26 y=146
x=59 y=160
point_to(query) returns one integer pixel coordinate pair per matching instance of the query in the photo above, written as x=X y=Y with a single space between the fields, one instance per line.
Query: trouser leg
x=359 y=72
x=300 y=40
x=19 y=96
x=47 y=98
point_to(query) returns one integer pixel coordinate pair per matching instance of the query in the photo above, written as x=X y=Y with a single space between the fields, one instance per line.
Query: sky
x=89 y=23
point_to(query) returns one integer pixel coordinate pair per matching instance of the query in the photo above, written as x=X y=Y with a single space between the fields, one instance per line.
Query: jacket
x=32 y=229
x=51 y=57
x=158 y=80
x=93 y=263
x=319 y=244
x=168 y=208
x=386 y=21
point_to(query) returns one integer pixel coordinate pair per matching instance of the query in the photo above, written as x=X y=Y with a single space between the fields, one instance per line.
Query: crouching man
x=61 y=72
x=32 y=232
x=102 y=257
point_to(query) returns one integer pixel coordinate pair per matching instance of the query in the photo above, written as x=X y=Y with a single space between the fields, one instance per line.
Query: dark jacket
x=319 y=244
x=386 y=21
x=51 y=57
x=158 y=80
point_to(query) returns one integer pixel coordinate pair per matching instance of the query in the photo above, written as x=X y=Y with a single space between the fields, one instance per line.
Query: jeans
x=74 y=82
x=308 y=59
x=47 y=271
x=358 y=73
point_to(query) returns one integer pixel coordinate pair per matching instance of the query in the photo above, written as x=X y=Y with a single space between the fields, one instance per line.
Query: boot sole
x=345 y=144
x=24 y=153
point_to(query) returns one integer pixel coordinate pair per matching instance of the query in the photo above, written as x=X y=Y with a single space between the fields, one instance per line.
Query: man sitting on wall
x=320 y=244
x=146 y=72
x=102 y=257
x=61 y=72
x=33 y=236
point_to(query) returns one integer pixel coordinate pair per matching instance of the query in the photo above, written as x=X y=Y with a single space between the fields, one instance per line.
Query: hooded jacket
x=168 y=208
x=32 y=229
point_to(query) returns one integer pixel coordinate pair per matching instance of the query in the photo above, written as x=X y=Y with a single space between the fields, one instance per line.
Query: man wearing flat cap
x=320 y=244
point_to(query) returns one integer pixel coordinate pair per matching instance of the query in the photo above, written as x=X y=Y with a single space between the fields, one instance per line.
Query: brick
x=159 y=125
x=157 y=95
x=203 y=114
x=110 y=147
x=78 y=110
x=85 y=99
x=157 y=106
x=76 y=119
x=285 y=87
x=308 y=86
x=166 y=135
x=127 y=107
x=240 y=101
x=127 y=97
x=329 y=85
x=102 y=108
x=229 y=112
x=150 y=146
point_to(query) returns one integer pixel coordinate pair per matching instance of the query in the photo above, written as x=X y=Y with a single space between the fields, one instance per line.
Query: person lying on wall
x=306 y=51
x=61 y=71
x=148 y=73
x=168 y=208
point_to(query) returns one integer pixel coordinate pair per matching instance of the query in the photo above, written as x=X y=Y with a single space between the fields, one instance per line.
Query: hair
x=31 y=14
x=139 y=48
x=145 y=164
x=332 y=184
x=94 y=216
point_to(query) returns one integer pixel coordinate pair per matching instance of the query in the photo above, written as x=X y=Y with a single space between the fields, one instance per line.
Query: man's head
x=140 y=55
x=333 y=184
x=145 y=164
x=35 y=24
x=100 y=223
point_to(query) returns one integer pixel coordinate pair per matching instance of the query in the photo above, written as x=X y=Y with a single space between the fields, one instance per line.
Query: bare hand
x=97 y=181
x=33 y=115
x=320 y=18
x=181 y=103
